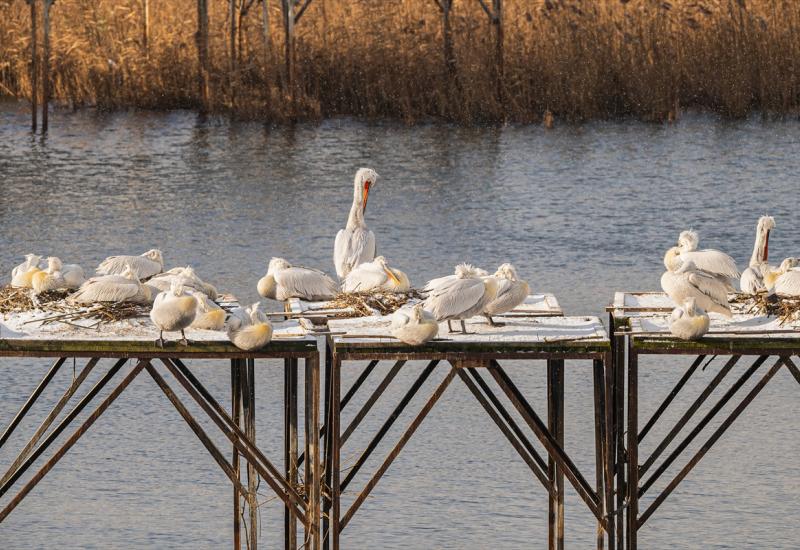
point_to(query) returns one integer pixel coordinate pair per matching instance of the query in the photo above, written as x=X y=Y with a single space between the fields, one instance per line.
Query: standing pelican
x=173 y=310
x=248 y=328
x=376 y=275
x=112 y=288
x=284 y=281
x=209 y=316
x=147 y=265
x=413 y=325
x=459 y=296
x=684 y=280
x=689 y=322
x=355 y=244
x=22 y=275
x=511 y=292
x=711 y=261
x=752 y=279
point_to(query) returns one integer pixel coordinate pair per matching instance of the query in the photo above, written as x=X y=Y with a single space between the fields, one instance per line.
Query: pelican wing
x=352 y=247
x=106 y=289
x=364 y=277
x=710 y=286
x=788 y=284
x=142 y=267
x=677 y=313
x=752 y=280
x=298 y=282
x=712 y=261
x=510 y=294
x=452 y=300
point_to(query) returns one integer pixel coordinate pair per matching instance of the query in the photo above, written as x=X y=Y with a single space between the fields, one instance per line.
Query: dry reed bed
x=379 y=58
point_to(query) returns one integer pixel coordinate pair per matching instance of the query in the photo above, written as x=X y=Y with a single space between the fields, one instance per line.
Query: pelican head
x=690 y=307
x=365 y=179
x=466 y=271
x=54 y=264
x=277 y=264
x=688 y=240
x=766 y=223
x=176 y=287
x=788 y=264
x=129 y=274
x=506 y=271
x=155 y=255
x=672 y=259
x=256 y=315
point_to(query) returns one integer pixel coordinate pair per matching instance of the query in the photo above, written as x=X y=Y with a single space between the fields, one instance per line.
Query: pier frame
x=301 y=501
x=471 y=364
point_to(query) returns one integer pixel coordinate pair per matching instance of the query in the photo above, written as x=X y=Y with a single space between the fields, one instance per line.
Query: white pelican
x=684 y=280
x=376 y=275
x=57 y=276
x=284 y=281
x=22 y=275
x=711 y=261
x=147 y=265
x=187 y=277
x=689 y=322
x=112 y=288
x=413 y=325
x=511 y=292
x=248 y=328
x=752 y=279
x=173 y=310
x=209 y=315
x=784 y=281
x=355 y=244
x=459 y=296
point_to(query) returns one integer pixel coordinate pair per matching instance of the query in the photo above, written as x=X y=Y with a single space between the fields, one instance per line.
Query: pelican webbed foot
x=183 y=340
x=160 y=340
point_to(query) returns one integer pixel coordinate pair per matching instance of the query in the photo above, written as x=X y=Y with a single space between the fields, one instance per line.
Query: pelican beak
x=367 y=185
x=391 y=275
x=766 y=247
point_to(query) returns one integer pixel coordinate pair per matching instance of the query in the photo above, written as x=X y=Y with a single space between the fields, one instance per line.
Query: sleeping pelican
x=784 y=281
x=752 y=279
x=112 y=288
x=284 y=281
x=711 y=261
x=689 y=322
x=248 y=328
x=413 y=325
x=511 y=292
x=187 y=277
x=376 y=275
x=58 y=276
x=459 y=296
x=355 y=244
x=22 y=275
x=173 y=310
x=208 y=316
x=147 y=265
x=684 y=280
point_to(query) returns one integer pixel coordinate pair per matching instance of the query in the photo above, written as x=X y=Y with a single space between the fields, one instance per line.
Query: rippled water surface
x=581 y=211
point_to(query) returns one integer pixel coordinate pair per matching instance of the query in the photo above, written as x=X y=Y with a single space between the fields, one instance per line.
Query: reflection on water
x=581 y=211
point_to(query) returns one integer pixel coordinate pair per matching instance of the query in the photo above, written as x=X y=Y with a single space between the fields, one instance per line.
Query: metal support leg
x=555 y=421
x=633 y=449
x=236 y=393
x=249 y=409
x=599 y=442
x=290 y=445
x=313 y=469
x=335 y=462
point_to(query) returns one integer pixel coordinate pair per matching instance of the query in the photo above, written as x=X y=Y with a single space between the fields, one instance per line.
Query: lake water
x=581 y=212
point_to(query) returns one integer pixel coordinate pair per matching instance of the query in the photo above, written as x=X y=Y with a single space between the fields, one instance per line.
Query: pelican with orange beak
x=376 y=275
x=355 y=244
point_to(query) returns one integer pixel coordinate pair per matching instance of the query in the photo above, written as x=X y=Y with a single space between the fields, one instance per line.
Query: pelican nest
x=21 y=300
x=364 y=304
x=786 y=309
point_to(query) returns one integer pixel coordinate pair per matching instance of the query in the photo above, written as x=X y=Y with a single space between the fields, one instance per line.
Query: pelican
x=173 y=310
x=22 y=275
x=248 y=328
x=187 y=277
x=711 y=261
x=147 y=265
x=112 y=288
x=684 y=280
x=57 y=276
x=355 y=244
x=376 y=275
x=413 y=325
x=459 y=296
x=511 y=292
x=752 y=279
x=689 y=322
x=784 y=281
x=209 y=316
x=284 y=281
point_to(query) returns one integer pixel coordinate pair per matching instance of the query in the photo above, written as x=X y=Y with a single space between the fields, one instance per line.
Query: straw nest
x=21 y=300
x=364 y=304
x=786 y=309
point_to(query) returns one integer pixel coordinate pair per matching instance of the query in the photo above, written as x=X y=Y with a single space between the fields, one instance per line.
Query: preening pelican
x=22 y=275
x=752 y=279
x=284 y=281
x=112 y=288
x=711 y=261
x=689 y=322
x=173 y=310
x=784 y=281
x=208 y=316
x=511 y=292
x=376 y=275
x=684 y=280
x=355 y=244
x=187 y=277
x=413 y=325
x=459 y=296
x=248 y=328
x=57 y=276
x=147 y=265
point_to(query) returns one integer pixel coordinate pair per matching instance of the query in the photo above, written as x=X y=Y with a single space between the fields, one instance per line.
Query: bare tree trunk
x=265 y=23
x=288 y=30
x=46 y=66
x=447 y=34
x=202 y=53
x=232 y=46
x=146 y=27
x=34 y=69
x=498 y=51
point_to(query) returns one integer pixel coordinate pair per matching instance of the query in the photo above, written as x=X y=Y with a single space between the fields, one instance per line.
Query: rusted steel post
x=335 y=463
x=34 y=69
x=633 y=448
x=313 y=467
x=327 y=412
x=599 y=446
x=555 y=425
x=290 y=445
x=250 y=431
x=46 y=82
x=236 y=393
x=202 y=53
x=610 y=451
